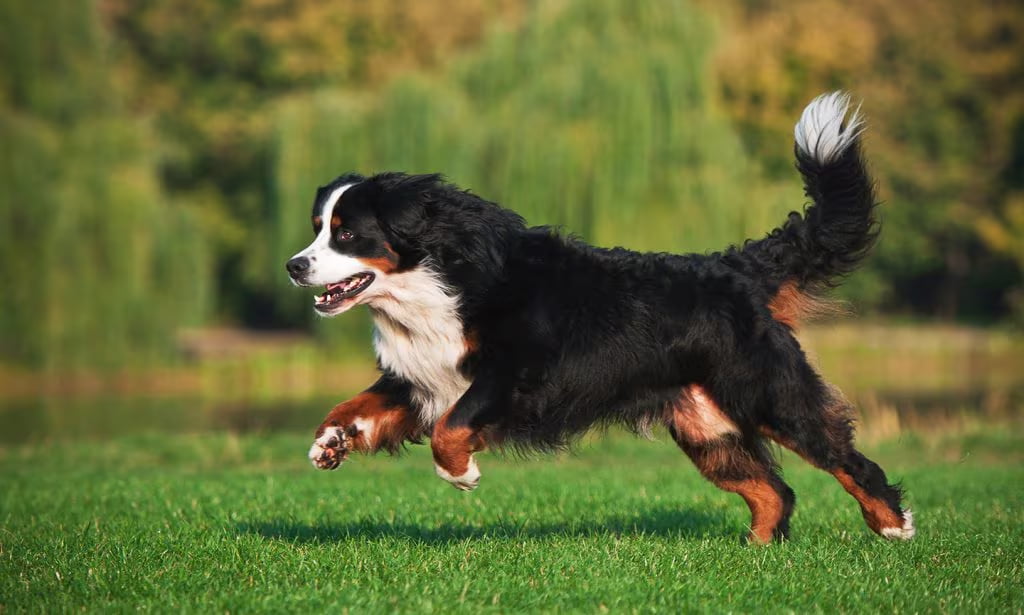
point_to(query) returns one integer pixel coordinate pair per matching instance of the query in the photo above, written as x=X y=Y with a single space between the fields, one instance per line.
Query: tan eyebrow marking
x=335 y=222
x=317 y=222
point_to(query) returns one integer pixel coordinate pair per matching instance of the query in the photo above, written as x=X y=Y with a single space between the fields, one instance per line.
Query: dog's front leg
x=460 y=433
x=378 y=418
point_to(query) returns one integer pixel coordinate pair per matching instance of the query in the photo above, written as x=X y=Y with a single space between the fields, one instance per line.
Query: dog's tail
x=811 y=252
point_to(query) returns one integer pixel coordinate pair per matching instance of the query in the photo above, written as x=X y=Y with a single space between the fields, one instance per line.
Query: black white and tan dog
x=489 y=333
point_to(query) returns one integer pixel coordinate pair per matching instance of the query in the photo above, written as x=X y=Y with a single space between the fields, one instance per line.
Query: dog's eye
x=346 y=236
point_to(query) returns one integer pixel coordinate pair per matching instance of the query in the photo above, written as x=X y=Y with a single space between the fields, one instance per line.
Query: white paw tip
x=465 y=482
x=314 y=452
x=902 y=533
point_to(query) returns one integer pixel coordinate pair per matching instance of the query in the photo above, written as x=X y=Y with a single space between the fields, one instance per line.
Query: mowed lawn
x=226 y=523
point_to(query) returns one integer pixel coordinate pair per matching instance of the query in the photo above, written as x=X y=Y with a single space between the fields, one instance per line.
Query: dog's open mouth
x=338 y=292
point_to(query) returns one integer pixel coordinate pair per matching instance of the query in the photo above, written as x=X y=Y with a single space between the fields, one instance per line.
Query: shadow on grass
x=666 y=522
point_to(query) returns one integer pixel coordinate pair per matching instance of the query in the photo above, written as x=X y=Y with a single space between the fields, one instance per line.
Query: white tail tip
x=823 y=132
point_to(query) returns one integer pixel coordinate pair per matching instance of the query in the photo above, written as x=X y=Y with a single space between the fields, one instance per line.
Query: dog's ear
x=404 y=204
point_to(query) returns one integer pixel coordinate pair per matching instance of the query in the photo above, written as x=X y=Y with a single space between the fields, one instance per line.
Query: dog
x=489 y=333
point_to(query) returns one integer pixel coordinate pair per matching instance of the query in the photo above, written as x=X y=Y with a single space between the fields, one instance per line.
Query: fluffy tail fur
x=811 y=252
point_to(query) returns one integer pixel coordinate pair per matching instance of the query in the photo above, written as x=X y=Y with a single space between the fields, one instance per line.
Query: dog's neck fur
x=420 y=338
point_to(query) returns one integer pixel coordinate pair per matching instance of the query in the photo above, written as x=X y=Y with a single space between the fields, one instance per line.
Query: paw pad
x=330 y=450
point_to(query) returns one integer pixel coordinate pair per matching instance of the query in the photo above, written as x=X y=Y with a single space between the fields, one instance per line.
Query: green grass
x=225 y=523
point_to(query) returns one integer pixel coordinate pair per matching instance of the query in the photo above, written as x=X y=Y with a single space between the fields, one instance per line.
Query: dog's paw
x=331 y=449
x=467 y=481
x=906 y=532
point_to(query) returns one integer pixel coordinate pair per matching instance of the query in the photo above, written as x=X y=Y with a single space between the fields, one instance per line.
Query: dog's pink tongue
x=334 y=286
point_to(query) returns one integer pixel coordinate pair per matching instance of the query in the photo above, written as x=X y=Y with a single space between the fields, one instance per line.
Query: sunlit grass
x=227 y=523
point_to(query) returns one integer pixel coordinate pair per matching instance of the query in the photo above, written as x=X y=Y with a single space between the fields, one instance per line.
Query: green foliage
x=52 y=58
x=211 y=73
x=97 y=269
x=612 y=136
x=241 y=524
x=940 y=81
x=160 y=155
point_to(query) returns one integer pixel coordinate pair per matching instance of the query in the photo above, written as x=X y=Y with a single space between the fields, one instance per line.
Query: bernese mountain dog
x=489 y=333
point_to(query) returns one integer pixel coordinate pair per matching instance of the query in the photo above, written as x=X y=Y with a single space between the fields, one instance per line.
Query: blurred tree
x=210 y=74
x=156 y=150
x=96 y=268
x=941 y=84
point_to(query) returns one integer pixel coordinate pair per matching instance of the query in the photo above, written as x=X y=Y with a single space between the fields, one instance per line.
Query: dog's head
x=369 y=232
x=361 y=233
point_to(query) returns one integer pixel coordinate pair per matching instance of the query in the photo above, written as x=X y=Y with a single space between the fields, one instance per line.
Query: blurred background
x=159 y=158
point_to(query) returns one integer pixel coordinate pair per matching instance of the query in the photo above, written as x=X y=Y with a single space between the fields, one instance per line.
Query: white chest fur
x=419 y=337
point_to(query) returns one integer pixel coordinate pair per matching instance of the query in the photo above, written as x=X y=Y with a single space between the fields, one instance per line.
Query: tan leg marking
x=699 y=419
x=765 y=503
x=700 y=425
x=366 y=423
x=792 y=306
x=453 y=450
x=877 y=513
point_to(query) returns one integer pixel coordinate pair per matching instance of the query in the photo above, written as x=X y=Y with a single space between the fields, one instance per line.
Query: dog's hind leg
x=825 y=439
x=733 y=462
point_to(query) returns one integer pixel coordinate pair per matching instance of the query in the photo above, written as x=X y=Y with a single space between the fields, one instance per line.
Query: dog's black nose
x=297 y=265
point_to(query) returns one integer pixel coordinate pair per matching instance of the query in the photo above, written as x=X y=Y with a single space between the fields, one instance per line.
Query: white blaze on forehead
x=326 y=213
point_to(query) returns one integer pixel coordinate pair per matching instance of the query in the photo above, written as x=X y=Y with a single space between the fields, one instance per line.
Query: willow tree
x=97 y=268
